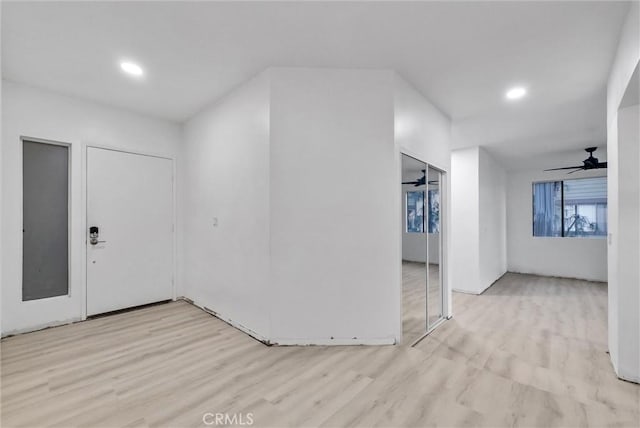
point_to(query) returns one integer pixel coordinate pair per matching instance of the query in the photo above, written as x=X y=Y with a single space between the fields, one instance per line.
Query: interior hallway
x=529 y=351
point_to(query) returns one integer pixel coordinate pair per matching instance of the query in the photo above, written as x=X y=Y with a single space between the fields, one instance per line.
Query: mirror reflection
x=434 y=246
x=414 y=248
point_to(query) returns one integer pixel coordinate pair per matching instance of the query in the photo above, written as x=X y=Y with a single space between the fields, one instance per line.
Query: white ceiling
x=461 y=55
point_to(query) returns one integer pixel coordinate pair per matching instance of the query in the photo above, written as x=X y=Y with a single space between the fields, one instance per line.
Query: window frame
x=562 y=206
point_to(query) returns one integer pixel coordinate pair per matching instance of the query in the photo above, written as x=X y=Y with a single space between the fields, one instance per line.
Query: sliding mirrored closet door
x=414 y=248
x=422 y=248
x=434 y=231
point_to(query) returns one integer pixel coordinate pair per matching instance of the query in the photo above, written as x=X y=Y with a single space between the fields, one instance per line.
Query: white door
x=130 y=202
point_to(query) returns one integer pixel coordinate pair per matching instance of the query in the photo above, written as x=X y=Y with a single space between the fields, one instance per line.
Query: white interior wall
x=46 y=115
x=465 y=212
x=1 y=192
x=423 y=132
x=492 y=183
x=624 y=333
x=334 y=242
x=583 y=258
x=628 y=241
x=479 y=219
x=226 y=177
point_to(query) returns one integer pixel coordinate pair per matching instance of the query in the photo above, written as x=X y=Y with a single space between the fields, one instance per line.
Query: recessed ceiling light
x=515 y=93
x=131 y=68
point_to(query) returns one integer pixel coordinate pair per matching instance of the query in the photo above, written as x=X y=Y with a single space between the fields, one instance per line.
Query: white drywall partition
x=334 y=241
x=628 y=241
x=1 y=193
x=492 y=181
x=46 y=115
x=583 y=258
x=479 y=219
x=465 y=214
x=624 y=331
x=300 y=169
x=225 y=196
x=423 y=132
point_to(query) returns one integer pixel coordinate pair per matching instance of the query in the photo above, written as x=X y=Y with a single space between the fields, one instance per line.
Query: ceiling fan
x=588 y=163
x=421 y=181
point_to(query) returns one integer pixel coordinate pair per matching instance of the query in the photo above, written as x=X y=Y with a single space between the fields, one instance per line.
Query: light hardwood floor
x=530 y=351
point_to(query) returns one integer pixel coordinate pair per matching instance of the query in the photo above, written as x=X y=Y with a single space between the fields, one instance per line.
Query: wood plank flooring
x=530 y=351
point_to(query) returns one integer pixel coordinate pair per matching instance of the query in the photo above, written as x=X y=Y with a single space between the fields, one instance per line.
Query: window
x=570 y=208
x=415 y=212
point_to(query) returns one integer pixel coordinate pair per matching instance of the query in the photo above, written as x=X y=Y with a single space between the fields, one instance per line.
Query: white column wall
x=628 y=242
x=334 y=237
x=624 y=331
x=479 y=219
x=492 y=218
x=465 y=223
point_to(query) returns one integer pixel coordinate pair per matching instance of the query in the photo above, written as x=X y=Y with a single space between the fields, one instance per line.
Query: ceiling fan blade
x=576 y=170
x=566 y=167
x=409 y=182
x=589 y=163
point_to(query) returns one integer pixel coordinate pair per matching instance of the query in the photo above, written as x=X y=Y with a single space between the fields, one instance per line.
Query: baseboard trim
x=227 y=320
x=630 y=379
x=483 y=290
x=41 y=327
x=546 y=275
x=458 y=290
x=334 y=342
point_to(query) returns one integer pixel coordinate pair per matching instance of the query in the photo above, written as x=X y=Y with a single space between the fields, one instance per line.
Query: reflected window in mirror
x=434 y=211
x=415 y=212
